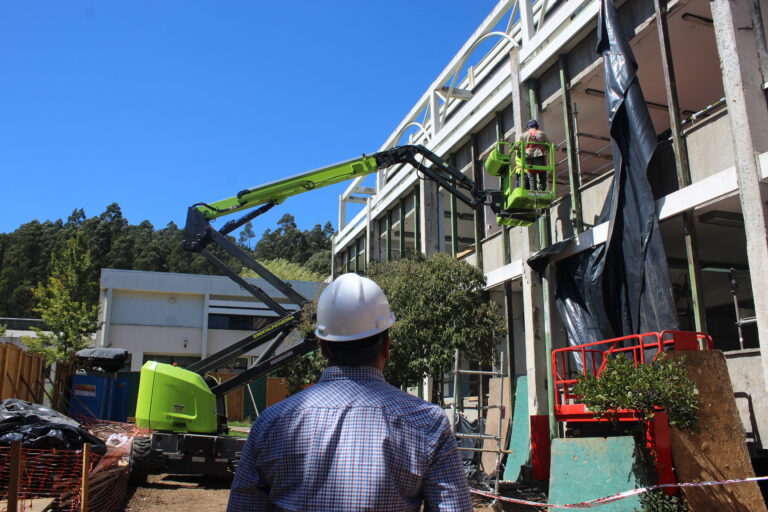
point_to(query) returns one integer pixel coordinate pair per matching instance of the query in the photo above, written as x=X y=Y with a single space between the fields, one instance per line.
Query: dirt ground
x=180 y=493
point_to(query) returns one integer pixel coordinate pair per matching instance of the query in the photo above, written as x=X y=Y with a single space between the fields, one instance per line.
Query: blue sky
x=157 y=105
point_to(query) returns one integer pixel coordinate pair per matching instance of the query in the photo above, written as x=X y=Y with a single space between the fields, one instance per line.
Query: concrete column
x=369 y=233
x=535 y=355
x=106 y=318
x=478 y=214
x=520 y=103
x=137 y=359
x=430 y=218
x=434 y=111
x=333 y=257
x=748 y=115
x=342 y=212
x=204 y=334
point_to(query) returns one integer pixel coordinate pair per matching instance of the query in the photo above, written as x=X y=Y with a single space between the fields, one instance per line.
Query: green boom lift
x=528 y=189
x=185 y=408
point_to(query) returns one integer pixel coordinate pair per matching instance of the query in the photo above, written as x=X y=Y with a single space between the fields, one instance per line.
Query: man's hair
x=362 y=352
x=533 y=124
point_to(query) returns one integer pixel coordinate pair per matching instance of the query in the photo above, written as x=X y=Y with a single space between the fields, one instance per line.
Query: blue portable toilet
x=96 y=389
x=91 y=396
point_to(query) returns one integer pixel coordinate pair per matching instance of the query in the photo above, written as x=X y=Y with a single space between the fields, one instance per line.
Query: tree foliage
x=440 y=305
x=622 y=385
x=25 y=254
x=289 y=243
x=287 y=271
x=65 y=304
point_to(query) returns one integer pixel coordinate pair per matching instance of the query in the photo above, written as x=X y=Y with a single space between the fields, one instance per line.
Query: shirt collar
x=352 y=373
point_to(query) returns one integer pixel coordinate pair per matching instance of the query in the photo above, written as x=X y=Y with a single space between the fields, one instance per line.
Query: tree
x=290 y=243
x=246 y=235
x=320 y=262
x=64 y=303
x=440 y=305
x=286 y=270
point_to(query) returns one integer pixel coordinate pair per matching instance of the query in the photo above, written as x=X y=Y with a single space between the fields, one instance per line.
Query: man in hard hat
x=351 y=442
x=535 y=154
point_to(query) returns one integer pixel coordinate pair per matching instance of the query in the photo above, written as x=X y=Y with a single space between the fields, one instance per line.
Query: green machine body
x=173 y=399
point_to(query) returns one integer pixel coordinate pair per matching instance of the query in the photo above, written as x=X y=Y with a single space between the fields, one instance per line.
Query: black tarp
x=623 y=286
x=108 y=359
x=37 y=426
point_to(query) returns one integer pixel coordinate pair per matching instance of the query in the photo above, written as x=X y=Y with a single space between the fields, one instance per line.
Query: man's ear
x=323 y=348
x=385 y=349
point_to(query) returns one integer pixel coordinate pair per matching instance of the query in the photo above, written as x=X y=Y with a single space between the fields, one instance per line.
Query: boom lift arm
x=166 y=392
x=199 y=234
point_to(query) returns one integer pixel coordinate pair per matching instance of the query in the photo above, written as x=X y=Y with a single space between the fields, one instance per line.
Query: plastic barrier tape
x=615 y=497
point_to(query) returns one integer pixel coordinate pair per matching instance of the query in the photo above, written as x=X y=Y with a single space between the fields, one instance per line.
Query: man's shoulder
x=412 y=409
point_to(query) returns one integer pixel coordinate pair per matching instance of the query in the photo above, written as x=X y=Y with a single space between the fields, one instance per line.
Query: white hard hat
x=352 y=308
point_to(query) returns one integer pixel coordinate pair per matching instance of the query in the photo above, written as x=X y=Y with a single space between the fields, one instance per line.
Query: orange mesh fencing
x=58 y=473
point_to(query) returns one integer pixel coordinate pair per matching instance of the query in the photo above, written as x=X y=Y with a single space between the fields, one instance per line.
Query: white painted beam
x=526 y=21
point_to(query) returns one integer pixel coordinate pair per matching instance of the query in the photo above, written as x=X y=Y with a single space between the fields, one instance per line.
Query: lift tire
x=140 y=464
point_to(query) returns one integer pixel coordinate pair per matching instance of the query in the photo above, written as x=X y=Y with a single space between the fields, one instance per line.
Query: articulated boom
x=199 y=234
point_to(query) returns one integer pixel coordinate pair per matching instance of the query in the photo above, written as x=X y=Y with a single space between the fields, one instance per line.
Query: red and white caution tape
x=615 y=497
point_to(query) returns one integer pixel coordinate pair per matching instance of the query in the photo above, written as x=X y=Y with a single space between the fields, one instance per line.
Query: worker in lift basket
x=351 y=442
x=535 y=154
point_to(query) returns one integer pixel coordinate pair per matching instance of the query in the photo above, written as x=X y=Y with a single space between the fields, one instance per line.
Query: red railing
x=641 y=348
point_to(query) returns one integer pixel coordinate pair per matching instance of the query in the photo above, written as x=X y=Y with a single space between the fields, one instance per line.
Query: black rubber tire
x=140 y=464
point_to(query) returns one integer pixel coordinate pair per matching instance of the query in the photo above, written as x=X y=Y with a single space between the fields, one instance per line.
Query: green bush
x=642 y=388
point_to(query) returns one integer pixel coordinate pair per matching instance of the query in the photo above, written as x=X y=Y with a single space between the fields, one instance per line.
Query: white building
x=181 y=317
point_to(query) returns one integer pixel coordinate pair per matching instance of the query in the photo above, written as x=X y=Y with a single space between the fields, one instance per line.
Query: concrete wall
x=493 y=252
x=138 y=339
x=710 y=146
x=592 y=199
x=160 y=309
x=746 y=374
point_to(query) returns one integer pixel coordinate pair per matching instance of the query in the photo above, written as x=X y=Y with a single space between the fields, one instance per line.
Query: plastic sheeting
x=39 y=427
x=623 y=286
x=108 y=359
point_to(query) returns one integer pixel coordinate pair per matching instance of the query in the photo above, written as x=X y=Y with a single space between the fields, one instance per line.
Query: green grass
x=246 y=423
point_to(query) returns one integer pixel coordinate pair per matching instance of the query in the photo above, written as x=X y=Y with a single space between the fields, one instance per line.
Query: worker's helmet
x=352 y=308
x=533 y=124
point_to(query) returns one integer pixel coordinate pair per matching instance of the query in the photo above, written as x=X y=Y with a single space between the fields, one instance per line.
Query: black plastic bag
x=37 y=426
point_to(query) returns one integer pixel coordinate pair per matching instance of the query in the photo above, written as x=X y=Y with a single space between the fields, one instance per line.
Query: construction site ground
x=175 y=493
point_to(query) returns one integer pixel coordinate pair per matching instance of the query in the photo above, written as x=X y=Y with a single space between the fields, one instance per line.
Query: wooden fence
x=277 y=389
x=21 y=374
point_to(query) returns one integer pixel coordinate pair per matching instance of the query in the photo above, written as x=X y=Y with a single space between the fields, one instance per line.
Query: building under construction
x=703 y=69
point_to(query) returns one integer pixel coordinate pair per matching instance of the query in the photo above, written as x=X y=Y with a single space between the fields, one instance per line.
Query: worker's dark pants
x=535 y=180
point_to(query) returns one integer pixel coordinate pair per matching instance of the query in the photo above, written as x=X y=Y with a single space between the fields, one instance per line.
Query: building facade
x=181 y=318
x=703 y=68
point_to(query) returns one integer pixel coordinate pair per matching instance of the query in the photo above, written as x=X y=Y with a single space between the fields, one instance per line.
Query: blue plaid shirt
x=351 y=442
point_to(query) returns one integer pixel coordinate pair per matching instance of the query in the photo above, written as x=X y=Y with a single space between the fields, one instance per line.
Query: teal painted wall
x=520 y=438
x=592 y=467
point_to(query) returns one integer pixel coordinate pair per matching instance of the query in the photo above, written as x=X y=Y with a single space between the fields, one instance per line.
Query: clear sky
x=160 y=104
